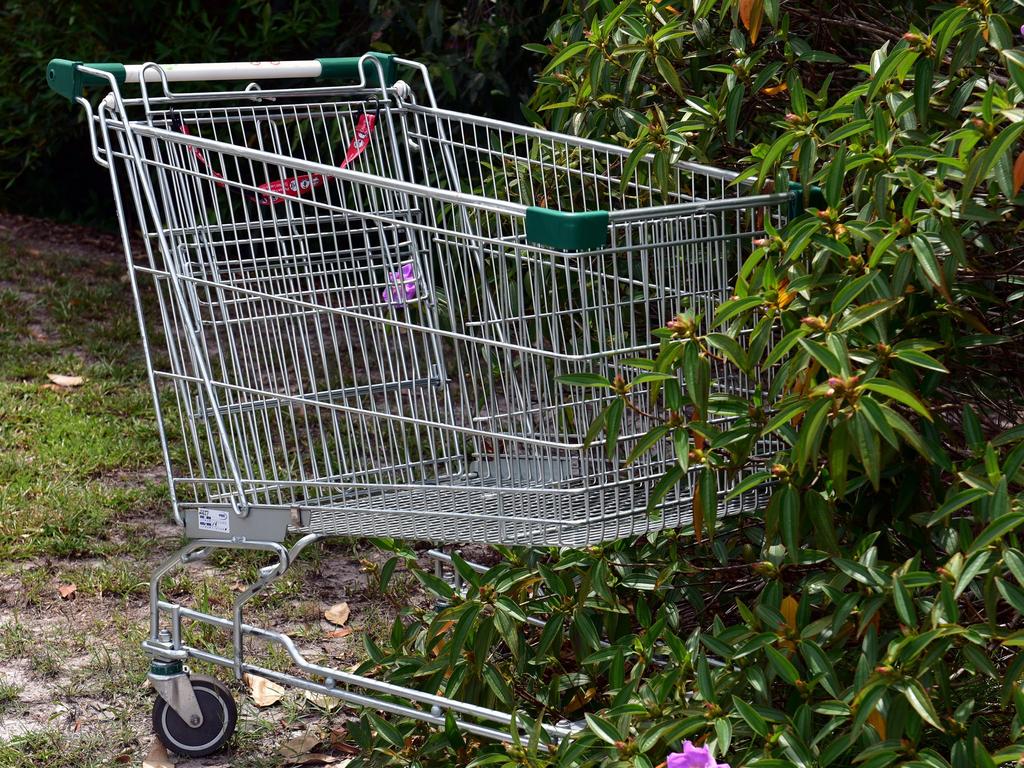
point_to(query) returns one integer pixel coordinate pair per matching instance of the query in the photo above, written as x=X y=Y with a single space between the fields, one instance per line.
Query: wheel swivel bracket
x=171 y=682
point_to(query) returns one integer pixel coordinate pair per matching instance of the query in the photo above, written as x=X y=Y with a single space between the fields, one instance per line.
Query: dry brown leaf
x=314 y=758
x=65 y=381
x=876 y=720
x=1018 y=174
x=751 y=14
x=321 y=700
x=157 y=757
x=338 y=741
x=343 y=632
x=772 y=90
x=788 y=609
x=264 y=692
x=338 y=614
x=67 y=590
x=300 y=745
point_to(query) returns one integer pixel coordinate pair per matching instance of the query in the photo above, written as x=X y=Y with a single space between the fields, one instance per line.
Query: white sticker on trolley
x=214 y=520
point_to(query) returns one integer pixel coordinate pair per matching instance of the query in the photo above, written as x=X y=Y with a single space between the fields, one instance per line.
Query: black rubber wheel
x=219 y=718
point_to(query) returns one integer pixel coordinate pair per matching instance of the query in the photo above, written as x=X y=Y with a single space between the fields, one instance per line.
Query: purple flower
x=401 y=285
x=693 y=757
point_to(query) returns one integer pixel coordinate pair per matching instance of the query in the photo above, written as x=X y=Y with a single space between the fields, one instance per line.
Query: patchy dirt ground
x=84 y=518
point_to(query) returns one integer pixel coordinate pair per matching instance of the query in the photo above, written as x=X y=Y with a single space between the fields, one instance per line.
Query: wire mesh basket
x=369 y=342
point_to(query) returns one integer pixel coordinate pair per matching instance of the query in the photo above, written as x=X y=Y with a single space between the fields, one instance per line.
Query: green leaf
x=697 y=372
x=748 y=483
x=867 y=444
x=595 y=428
x=896 y=392
x=819 y=664
x=669 y=73
x=386 y=730
x=613 y=422
x=462 y=629
x=781 y=146
x=889 y=67
x=1011 y=594
x=584 y=380
x=733 y=105
x=730 y=348
x=924 y=73
x=873 y=413
x=583 y=628
x=707 y=485
x=567 y=53
x=996 y=530
x=850 y=291
x=920 y=359
x=959 y=500
x=789 y=521
x=786 y=415
x=645 y=443
x=928 y=263
x=920 y=701
x=856 y=571
x=729 y=309
x=783 y=666
x=836 y=177
x=812 y=431
x=681 y=443
x=438 y=586
x=1015 y=562
x=865 y=313
x=827 y=360
x=903 y=603
x=784 y=346
x=848 y=130
x=604 y=729
x=637 y=156
x=661 y=489
x=751 y=717
x=647 y=378
x=1001 y=145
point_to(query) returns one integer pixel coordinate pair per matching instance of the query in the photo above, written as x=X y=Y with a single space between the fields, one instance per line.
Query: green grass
x=9 y=700
x=82 y=494
x=58 y=446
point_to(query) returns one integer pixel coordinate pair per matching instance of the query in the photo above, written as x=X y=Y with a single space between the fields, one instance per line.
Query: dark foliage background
x=474 y=49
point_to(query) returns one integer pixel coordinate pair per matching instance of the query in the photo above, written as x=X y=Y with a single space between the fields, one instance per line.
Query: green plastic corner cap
x=348 y=68
x=65 y=77
x=566 y=231
x=815 y=199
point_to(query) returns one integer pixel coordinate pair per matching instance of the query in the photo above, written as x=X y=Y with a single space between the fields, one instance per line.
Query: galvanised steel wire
x=381 y=354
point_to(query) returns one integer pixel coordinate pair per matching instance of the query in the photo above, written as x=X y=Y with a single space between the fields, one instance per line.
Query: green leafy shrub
x=873 y=612
x=472 y=48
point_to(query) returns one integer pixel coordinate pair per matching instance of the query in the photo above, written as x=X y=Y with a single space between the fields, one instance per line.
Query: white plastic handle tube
x=228 y=70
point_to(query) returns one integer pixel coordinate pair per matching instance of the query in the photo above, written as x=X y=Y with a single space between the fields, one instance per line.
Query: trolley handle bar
x=67 y=78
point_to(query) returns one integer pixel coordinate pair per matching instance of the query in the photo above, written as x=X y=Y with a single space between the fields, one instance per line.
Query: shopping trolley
x=366 y=305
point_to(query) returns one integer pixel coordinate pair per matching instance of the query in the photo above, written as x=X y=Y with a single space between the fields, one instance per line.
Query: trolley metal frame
x=460 y=265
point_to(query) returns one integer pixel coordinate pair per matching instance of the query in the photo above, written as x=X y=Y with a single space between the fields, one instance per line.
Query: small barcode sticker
x=214 y=520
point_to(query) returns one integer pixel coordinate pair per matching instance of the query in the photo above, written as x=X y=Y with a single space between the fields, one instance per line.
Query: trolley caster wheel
x=219 y=718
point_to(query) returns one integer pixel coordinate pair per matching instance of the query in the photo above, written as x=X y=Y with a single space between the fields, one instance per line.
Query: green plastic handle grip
x=348 y=68
x=64 y=76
